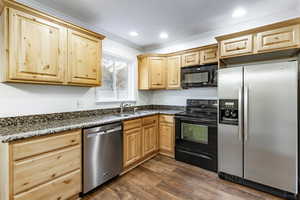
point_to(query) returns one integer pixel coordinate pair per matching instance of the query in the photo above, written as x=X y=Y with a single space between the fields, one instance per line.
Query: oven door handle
x=195 y=121
x=196 y=154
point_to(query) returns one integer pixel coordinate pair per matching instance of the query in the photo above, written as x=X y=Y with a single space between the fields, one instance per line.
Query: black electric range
x=196 y=134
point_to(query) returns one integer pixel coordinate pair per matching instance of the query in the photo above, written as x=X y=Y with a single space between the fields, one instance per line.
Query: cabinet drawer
x=149 y=120
x=31 y=147
x=237 y=46
x=166 y=119
x=44 y=168
x=278 y=38
x=209 y=56
x=62 y=188
x=131 y=124
x=190 y=59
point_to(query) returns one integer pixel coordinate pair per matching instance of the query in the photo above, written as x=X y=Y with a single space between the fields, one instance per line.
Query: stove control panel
x=228 y=111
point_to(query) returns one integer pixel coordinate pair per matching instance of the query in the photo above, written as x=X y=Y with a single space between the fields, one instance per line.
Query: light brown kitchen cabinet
x=37 y=48
x=152 y=72
x=166 y=135
x=150 y=135
x=132 y=146
x=1 y=6
x=46 y=167
x=190 y=59
x=140 y=140
x=84 y=58
x=237 y=46
x=209 y=55
x=157 y=72
x=280 y=38
x=174 y=72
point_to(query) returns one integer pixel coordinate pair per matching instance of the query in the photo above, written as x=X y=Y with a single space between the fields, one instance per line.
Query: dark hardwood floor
x=164 y=178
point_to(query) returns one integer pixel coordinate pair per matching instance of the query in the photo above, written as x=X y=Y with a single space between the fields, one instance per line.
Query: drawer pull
x=72 y=141
x=67 y=181
x=59 y=157
x=53 y=175
x=26 y=183
x=58 y=198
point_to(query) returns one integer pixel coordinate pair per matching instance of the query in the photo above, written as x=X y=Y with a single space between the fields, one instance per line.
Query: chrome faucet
x=123 y=105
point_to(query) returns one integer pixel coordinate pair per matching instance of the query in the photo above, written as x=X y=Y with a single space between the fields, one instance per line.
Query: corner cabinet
x=37 y=48
x=152 y=73
x=84 y=59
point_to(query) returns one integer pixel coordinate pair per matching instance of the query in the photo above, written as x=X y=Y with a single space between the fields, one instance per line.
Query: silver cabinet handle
x=246 y=113
x=240 y=114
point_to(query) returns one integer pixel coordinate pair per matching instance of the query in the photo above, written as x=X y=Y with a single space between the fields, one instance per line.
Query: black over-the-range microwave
x=199 y=76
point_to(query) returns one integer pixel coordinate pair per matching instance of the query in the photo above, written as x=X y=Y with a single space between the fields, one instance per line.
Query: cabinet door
x=37 y=49
x=190 y=59
x=278 y=38
x=150 y=143
x=237 y=46
x=208 y=56
x=166 y=138
x=157 y=72
x=84 y=59
x=173 y=72
x=132 y=146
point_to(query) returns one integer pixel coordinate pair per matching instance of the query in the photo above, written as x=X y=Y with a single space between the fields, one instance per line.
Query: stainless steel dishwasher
x=102 y=154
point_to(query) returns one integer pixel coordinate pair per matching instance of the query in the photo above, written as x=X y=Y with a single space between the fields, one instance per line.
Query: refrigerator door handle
x=246 y=114
x=240 y=114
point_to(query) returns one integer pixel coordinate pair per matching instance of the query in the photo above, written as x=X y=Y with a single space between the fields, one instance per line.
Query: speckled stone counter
x=17 y=128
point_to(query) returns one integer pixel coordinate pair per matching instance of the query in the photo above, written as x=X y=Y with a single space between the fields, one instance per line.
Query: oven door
x=196 y=136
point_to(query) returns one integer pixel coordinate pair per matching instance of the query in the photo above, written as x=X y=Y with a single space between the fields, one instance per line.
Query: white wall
x=179 y=97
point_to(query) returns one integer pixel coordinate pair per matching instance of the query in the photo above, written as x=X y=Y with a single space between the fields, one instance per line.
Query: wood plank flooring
x=163 y=178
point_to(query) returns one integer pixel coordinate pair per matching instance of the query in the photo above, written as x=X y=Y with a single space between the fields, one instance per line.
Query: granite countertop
x=23 y=131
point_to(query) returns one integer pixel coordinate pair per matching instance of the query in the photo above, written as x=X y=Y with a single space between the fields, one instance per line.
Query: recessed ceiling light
x=239 y=12
x=163 y=35
x=133 y=33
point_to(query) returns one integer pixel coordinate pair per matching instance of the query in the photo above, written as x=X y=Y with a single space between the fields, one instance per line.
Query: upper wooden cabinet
x=209 y=55
x=278 y=38
x=84 y=58
x=236 y=46
x=152 y=72
x=190 y=59
x=173 y=72
x=38 y=48
x=266 y=39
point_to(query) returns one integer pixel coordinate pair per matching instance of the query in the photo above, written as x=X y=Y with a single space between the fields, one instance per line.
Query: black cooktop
x=203 y=109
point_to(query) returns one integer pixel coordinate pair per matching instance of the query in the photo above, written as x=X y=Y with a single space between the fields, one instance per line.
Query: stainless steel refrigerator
x=258 y=124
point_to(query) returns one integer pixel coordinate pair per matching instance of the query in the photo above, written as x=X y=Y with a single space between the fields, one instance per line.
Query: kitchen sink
x=123 y=115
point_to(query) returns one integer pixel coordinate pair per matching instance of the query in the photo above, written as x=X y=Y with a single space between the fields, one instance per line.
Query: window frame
x=131 y=81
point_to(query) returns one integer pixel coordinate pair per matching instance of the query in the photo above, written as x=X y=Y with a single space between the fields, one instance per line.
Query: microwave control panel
x=228 y=111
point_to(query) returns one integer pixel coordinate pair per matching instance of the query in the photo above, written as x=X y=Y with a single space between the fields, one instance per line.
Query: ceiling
x=179 y=18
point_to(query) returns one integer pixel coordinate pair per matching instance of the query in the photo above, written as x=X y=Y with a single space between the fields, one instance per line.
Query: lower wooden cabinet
x=46 y=167
x=166 y=135
x=132 y=144
x=140 y=140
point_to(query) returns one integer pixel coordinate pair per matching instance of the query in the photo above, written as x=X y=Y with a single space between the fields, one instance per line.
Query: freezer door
x=230 y=145
x=270 y=113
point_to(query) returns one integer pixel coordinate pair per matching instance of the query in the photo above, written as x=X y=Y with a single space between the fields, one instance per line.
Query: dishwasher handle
x=109 y=131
